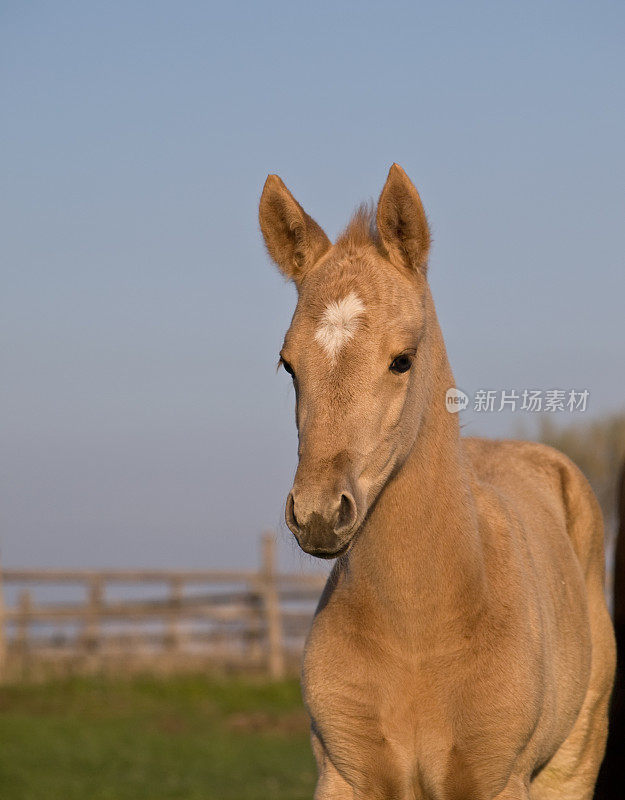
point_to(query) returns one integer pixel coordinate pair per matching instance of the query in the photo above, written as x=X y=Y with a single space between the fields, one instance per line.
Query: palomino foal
x=462 y=649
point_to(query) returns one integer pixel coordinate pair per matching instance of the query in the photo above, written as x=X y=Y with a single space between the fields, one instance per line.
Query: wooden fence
x=255 y=619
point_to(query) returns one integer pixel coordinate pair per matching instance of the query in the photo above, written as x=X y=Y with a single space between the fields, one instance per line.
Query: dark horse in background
x=611 y=782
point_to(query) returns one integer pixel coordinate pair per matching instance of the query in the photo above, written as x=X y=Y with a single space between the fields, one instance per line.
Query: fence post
x=253 y=645
x=3 y=632
x=92 y=628
x=271 y=600
x=173 y=637
x=24 y=605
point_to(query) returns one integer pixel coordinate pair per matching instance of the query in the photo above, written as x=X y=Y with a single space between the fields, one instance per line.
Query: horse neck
x=419 y=554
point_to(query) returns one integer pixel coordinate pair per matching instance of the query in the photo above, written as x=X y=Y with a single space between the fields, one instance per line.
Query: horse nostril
x=346 y=514
x=289 y=513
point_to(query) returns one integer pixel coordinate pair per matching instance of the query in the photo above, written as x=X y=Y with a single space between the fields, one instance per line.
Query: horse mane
x=361 y=230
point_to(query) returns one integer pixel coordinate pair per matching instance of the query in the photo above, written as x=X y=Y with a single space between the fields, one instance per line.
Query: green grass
x=183 y=737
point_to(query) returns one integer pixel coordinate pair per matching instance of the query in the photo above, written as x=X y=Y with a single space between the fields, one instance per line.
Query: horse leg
x=573 y=770
x=330 y=784
x=516 y=789
x=377 y=784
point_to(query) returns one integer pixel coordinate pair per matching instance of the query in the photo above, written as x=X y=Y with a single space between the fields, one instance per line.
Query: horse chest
x=423 y=718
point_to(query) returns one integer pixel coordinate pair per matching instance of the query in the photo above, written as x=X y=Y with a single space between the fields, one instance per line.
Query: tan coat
x=462 y=648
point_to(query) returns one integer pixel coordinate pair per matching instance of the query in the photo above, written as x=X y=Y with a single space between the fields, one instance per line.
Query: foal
x=462 y=649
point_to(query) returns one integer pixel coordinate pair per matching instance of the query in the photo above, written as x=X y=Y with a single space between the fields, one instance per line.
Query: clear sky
x=143 y=421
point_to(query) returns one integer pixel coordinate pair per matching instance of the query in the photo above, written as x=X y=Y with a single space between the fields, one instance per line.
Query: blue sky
x=144 y=422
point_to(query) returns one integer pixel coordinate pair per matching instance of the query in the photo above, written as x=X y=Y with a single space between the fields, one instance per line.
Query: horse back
x=548 y=493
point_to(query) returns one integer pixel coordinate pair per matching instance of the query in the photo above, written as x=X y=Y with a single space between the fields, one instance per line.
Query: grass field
x=184 y=737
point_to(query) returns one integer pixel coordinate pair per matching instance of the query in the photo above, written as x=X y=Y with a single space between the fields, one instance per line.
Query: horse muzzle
x=323 y=526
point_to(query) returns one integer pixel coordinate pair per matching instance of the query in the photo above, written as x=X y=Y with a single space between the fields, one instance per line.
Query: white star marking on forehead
x=339 y=323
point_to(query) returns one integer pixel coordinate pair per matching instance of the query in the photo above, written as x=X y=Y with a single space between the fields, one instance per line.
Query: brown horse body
x=462 y=647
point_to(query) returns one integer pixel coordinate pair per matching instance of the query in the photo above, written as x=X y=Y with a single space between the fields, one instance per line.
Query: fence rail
x=253 y=619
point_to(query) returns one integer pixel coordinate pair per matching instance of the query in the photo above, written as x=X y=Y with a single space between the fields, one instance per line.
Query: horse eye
x=288 y=368
x=400 y=364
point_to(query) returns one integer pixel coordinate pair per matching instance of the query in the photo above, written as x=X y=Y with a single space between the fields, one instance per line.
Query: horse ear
x=402 y=224
x=293 y=239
